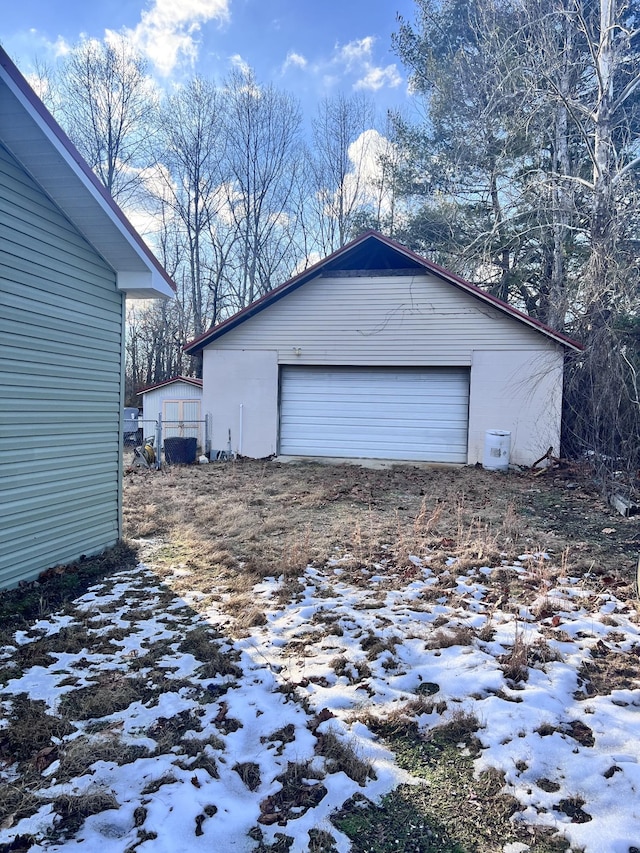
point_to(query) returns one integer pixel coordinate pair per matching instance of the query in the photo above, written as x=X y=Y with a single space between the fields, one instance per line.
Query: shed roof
x=42 y=148
x=372 y=251
x=190 y=380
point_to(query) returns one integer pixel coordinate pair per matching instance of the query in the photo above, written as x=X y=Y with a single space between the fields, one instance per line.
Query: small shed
x=68 y=260
x=376 y=352
x=177 y=402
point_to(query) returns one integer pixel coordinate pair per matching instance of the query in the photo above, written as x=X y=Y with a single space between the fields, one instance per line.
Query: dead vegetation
x=214 y=534
x=225 y=526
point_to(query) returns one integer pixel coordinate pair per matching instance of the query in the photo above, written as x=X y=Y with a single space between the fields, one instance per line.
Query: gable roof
x=373 y=251
x=45 y=152
x=190 y=380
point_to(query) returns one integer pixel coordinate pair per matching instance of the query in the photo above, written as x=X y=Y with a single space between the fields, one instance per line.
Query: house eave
x=37 y=142
x=143 y=285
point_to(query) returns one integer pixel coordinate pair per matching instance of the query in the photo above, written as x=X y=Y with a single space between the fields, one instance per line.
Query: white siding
x=381 y=320
x=522 y=394
x=61 y=321
x=241 y=392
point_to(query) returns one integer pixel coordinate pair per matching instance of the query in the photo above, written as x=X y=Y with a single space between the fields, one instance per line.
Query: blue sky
x=311 y=48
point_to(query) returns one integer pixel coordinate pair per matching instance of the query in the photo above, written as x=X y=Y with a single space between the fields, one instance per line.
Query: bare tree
x=341 y=150
x=262 y=161
x=106 y=104
x=155 y=336
x=603 y=406
x=190 y=148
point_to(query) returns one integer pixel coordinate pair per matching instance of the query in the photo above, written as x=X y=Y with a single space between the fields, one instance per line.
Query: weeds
x=249 y=772
x=515 y=664
x=340 y=756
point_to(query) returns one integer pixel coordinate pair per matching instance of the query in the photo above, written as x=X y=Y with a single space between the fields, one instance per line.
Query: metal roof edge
x=191 y=380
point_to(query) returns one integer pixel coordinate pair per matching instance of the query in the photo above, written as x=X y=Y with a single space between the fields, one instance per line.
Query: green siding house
x=68 y=260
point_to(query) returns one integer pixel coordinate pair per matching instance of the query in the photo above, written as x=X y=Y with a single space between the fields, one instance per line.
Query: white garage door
x=375 y=413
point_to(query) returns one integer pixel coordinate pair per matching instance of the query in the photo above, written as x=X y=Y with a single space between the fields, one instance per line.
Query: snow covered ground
x=153 y=731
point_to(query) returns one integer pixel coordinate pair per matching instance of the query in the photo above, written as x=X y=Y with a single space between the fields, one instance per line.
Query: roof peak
x=352 y=253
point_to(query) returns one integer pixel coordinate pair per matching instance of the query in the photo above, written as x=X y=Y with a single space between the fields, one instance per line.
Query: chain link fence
x=155 y=443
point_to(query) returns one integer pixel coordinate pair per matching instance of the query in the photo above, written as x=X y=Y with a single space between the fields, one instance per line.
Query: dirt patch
x=609 y=670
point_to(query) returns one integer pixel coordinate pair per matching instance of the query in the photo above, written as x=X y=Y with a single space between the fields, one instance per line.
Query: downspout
x=123 y=349
x=158 y=462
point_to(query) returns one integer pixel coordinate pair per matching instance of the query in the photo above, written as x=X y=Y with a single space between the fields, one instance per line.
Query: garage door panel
x=408 y=414
x=370 y=430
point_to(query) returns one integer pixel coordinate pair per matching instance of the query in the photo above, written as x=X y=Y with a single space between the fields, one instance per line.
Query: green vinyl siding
x=61 y=328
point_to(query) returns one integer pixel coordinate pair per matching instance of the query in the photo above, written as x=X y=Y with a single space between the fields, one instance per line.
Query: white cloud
x=294 y=60
x=61 y=47
x=168 y=30
x=356 y=57
x=304 y=264
x=364 y=185
x=377 y=77
x=241 y=64
x=356 y=53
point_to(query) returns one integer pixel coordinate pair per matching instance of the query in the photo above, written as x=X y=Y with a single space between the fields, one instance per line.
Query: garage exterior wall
x=241 y=392
x=407 y=320
x=61 y=326
x=522 y=394
x=380 y=320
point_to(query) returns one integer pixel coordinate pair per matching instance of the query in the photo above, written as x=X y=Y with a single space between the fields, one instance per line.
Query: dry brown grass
x=299 y=792
x=202 y=643
x=220 y=529
x=515 y=663
x=340 y=756
x=73 y=809
x=609 y=669
x=249 y=772
x=112 y=691
x=29 y=729
x=453 y=635
x=77 y=756
x=231 y=524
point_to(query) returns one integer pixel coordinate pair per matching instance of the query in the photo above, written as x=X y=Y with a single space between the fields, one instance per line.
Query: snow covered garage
x=375 y=352
x=68 y=259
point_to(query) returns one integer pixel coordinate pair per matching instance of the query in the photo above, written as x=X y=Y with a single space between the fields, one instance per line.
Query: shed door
x=375 y=413
x=181 y=418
